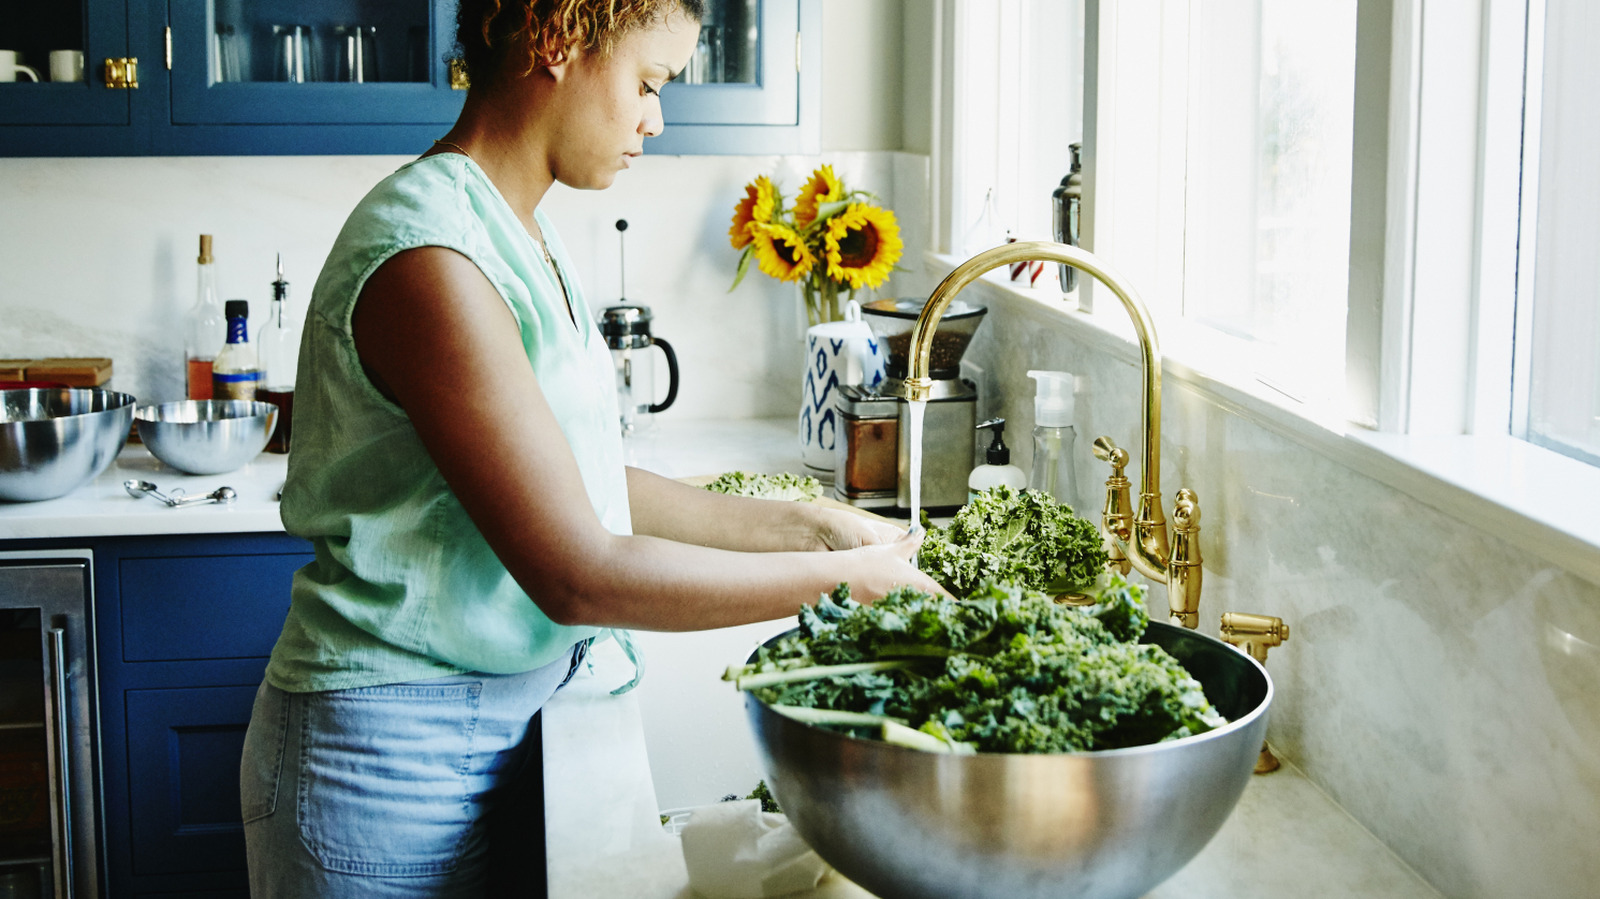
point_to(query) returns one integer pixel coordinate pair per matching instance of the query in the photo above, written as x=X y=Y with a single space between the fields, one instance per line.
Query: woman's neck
x=500 y=130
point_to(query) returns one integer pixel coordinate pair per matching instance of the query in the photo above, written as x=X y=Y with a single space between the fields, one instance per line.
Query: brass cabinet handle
x=122 y=72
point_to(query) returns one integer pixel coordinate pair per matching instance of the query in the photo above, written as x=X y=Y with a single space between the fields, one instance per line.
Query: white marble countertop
x=103 y=508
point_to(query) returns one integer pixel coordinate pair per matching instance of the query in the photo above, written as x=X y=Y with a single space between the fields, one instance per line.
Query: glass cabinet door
x=743 y=71
x=311 y=62
x=53 y=63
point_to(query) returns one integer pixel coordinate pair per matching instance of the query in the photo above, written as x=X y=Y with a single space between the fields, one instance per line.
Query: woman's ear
x=557 y=64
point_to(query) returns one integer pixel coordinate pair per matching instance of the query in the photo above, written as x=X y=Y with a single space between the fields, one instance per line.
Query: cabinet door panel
x=770 y=96
x=204 y=607
x=228 y=59
x=99 y=28
x=184 y=748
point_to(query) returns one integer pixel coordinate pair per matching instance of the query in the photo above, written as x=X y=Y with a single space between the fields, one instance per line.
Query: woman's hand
x=837 y=529
x=889 y=564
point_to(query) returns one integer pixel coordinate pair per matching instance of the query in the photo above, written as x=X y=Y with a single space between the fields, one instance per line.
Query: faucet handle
x=1253 y=635
x=1107 y=451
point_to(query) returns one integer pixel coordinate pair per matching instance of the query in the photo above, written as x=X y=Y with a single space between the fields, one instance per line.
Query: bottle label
x=236 y=385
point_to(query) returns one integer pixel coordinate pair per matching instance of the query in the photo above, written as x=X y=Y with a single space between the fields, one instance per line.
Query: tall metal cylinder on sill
x=1066 y=203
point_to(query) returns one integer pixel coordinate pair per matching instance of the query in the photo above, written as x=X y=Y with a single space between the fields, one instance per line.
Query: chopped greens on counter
x=768 y=486
x=1017 y=536
x=1007 y=669
x=769 y=803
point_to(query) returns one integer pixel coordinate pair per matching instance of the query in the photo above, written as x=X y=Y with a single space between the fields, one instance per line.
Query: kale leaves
x=1019 y=536
x=1005 y=670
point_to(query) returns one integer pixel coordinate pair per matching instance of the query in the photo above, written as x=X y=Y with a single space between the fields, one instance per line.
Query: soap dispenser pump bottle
x=997 y=470
x=1053 y=436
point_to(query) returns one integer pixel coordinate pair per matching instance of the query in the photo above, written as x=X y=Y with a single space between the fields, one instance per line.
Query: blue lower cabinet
x=184 y=627
x=183 y=749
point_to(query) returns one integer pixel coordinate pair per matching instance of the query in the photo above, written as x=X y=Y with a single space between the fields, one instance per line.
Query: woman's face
x=611 y=104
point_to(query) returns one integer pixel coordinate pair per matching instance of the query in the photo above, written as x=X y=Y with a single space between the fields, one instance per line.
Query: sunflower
x=823 y=187
x=781 y=252
x=760 y=202
x=861 y=245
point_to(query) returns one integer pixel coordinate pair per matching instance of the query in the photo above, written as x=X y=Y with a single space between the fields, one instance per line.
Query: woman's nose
x=653 y=122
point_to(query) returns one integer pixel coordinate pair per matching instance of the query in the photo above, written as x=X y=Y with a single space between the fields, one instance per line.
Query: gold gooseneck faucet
x=1139 y=540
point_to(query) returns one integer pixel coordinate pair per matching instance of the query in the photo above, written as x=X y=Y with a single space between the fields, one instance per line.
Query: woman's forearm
x=670 y=509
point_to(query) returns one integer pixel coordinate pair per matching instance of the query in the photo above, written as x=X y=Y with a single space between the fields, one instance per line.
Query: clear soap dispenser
x=1054 y=436
x=998 y=470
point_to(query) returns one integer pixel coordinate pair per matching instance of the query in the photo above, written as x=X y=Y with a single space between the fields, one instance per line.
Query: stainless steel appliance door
x=49 y=775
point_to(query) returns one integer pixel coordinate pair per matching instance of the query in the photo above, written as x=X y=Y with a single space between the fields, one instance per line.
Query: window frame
x=1433 y=263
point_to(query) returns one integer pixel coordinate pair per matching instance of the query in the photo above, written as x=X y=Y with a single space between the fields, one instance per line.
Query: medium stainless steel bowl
x=206 y=436
x=906 y=824
x=54 y=440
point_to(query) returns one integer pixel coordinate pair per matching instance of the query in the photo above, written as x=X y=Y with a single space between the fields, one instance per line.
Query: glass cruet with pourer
x=206 y=327
x=280 y=358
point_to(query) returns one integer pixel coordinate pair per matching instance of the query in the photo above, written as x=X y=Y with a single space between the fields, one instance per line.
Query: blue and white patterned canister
x=837 y=353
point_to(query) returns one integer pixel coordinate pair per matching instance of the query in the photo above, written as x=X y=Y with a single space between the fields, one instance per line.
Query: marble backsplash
x=1440 y=685
x=99 y=257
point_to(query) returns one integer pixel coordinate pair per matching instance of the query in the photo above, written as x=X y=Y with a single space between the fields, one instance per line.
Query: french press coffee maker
x=627 y=332
x=626 y=328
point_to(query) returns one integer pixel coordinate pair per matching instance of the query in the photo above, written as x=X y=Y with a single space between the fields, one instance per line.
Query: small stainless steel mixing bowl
x=54 y=440
x=206 y=436
x=906 y=824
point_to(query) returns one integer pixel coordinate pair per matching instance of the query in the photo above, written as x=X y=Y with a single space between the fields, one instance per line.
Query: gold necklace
x=537 y=239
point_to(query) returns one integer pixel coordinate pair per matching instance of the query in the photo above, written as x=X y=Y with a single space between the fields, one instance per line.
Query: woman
x=458 y=469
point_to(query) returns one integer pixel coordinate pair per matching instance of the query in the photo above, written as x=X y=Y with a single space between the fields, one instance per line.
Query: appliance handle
x=63 y=797
x=672 y=375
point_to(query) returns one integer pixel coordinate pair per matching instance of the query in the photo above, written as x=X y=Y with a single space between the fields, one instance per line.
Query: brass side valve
x=1117 y=516
x=1255 y=634
x=1184 y=574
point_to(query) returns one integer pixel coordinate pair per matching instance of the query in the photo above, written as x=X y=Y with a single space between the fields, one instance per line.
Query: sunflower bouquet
x=831 y=239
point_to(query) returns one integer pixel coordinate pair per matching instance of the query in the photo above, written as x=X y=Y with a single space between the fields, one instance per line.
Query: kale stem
x=807 y=715
x=900 y=735
x=814 y=672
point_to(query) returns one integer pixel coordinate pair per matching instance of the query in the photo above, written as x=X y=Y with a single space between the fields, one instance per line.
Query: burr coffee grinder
x=873 y=454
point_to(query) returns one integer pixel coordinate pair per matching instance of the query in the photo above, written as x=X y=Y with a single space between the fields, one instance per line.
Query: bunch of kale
x=1005 y=670
x=783 y=485
x=1017 y=536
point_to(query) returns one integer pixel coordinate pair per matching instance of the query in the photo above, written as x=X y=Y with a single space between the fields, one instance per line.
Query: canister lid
x=911 y=307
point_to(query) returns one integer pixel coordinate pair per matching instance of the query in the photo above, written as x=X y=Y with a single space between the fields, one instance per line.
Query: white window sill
x=1537 y=500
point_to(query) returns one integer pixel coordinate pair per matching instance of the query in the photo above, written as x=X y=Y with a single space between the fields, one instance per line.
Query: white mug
x=66 y=65
x=837 y=354
x=10 y=68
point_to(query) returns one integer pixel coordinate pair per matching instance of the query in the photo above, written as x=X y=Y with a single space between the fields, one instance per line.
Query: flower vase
x=837 y=353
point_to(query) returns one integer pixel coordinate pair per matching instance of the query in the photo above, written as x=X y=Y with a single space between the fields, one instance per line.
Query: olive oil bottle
x=206 y=326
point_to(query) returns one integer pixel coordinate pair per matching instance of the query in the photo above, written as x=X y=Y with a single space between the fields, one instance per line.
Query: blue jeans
x=398 y=790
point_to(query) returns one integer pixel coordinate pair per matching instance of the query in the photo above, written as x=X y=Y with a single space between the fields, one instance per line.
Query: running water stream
x=914 y=443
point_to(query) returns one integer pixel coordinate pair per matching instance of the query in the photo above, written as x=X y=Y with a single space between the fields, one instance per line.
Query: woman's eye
x=648 y=90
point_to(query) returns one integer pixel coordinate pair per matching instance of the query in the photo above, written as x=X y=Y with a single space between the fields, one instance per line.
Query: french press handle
x=672 y=375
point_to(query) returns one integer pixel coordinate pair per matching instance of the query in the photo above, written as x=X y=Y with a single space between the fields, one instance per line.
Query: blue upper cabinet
x=279 y=77
x=48 y=111
x=753 y=85
x=289 y=77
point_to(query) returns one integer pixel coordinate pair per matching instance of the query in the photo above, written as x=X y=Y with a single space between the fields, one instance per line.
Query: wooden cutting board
x=701 y=480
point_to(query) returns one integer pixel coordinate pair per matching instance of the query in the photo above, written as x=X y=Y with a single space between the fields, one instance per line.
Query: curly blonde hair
x=490 y=33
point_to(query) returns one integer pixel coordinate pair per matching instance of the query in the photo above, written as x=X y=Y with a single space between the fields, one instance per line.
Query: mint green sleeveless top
x=403 y=586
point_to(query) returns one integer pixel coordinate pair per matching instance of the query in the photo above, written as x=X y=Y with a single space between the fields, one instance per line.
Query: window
x=1320 y=197
x=1267 y=183
x=1558 y=340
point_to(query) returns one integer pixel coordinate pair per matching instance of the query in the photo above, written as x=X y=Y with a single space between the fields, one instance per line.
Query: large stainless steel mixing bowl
x=54 y=440
x=906 y=824
x=206 y=436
